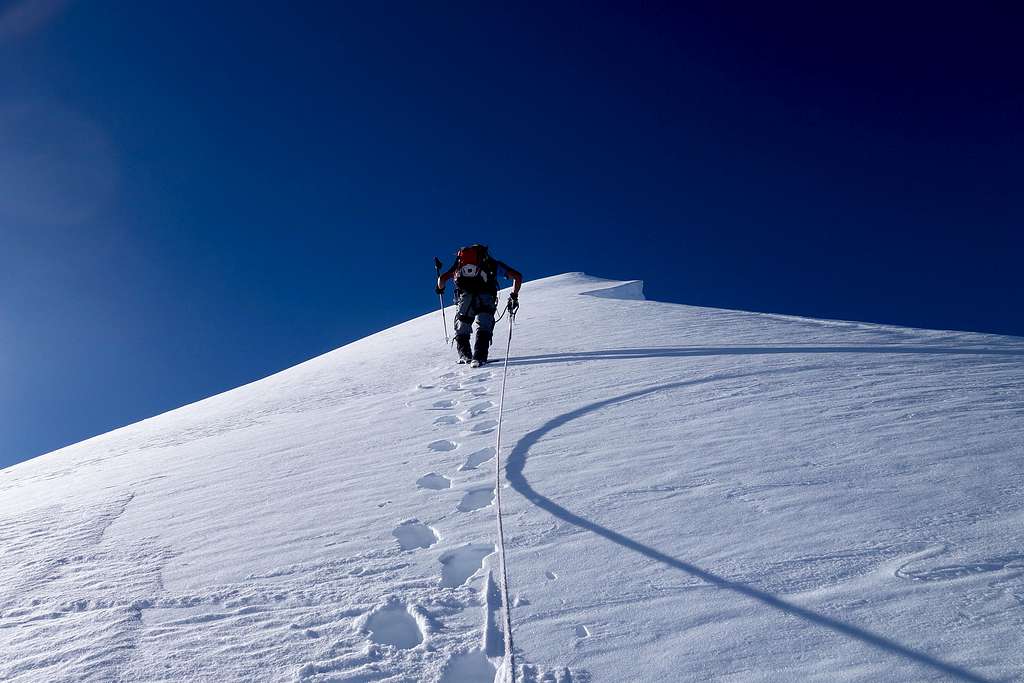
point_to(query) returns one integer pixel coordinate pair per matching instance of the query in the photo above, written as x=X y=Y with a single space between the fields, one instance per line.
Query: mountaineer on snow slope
x=475 y=274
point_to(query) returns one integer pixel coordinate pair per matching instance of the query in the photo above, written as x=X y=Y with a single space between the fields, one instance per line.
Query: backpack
x=475 y=270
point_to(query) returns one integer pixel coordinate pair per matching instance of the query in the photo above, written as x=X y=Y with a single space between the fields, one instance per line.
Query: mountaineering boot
x=462 y=346
x=481 y=347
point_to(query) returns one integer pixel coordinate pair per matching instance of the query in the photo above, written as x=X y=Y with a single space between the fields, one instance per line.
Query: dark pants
x=480 y=308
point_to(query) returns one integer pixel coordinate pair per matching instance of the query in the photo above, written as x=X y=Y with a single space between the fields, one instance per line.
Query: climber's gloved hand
x=513 y=303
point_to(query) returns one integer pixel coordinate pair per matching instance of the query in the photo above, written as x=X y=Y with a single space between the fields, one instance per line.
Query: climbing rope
x=510 y=676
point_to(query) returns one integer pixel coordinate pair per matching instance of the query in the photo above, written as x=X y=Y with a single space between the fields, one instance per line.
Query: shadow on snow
x=697 y=351
x=517 y=462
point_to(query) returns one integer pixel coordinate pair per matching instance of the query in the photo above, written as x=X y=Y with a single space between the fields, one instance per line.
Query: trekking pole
x=440 y=299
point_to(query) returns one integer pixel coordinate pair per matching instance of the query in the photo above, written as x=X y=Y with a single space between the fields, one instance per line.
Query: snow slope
x=692 y=494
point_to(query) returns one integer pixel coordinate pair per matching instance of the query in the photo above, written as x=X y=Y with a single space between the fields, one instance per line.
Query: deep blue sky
x=195 y=195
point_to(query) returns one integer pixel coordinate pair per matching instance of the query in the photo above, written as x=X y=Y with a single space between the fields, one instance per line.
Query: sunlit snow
x=691 y=495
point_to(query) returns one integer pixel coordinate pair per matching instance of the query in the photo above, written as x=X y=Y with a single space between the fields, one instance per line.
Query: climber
x=475 y=274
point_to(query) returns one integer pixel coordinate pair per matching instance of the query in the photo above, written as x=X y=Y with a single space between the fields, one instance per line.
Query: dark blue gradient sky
x=195 y=195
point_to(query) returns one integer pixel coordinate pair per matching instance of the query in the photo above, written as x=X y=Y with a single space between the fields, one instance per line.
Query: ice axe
x=440 y=300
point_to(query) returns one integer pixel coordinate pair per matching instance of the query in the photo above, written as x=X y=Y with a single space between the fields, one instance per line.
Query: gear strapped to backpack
x=475 y=270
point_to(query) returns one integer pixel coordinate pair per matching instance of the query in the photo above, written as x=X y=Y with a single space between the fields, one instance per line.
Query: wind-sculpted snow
x=691 y=494
x=628 y=290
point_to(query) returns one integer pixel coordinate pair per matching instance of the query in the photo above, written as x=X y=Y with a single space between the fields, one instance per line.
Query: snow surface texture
x=693 y=494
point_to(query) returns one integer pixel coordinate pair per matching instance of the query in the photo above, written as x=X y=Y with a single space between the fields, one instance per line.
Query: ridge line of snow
x=632 y=290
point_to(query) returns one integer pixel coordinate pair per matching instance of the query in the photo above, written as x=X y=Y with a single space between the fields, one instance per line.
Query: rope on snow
x=510 y=663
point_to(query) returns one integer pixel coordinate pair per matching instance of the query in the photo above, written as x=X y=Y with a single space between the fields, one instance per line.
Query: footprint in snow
x=413 y=534
x=442 y=445
x=422 y=385
x=453 y=387
x=484 y=426
x=444 y=405
x=551 y=576
x=447 y=375
x=477 y=498
x=477 y=458
x=457 y=566
x=477 y=409
x=393 y=625
x=446 y=420
x=582 y=631
x=531 y=674
x=434 y=481
x=468 y=667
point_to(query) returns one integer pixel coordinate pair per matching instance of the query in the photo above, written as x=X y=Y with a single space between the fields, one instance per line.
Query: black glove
x=439 y=290
x=513 y=303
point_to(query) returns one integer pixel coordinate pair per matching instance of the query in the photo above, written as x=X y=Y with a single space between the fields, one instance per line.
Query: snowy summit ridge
x=691 y=494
